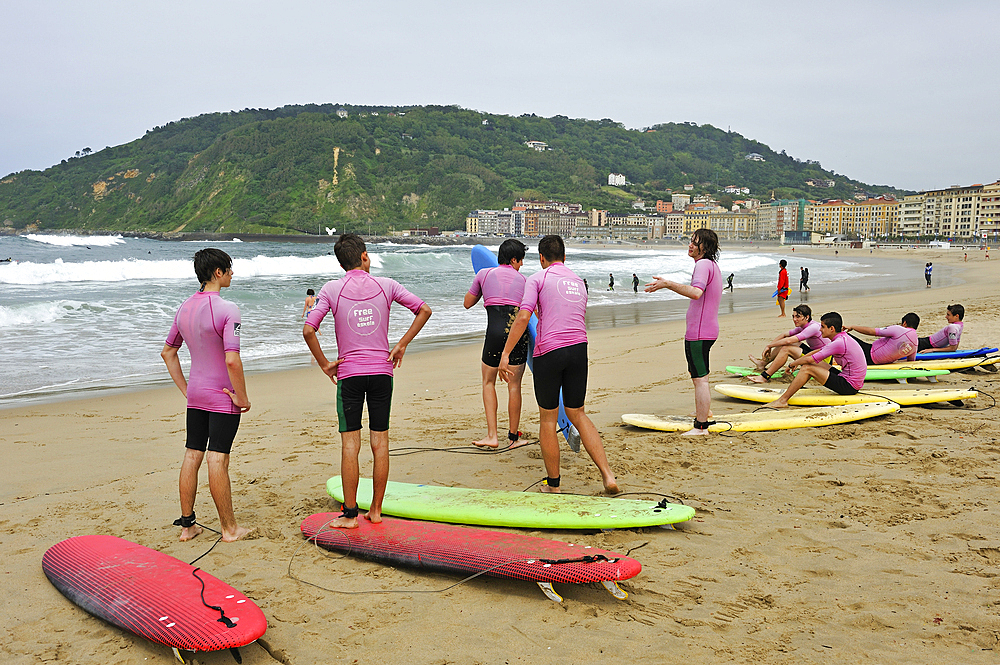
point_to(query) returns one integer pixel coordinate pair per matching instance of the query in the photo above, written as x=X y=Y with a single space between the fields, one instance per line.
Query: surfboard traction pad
x=465 y=550
x=151 y=594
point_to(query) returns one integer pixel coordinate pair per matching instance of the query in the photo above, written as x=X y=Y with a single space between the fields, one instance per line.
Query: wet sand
x=874 y=541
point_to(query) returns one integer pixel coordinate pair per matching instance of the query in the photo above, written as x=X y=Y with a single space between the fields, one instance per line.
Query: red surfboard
x=152 y=594
x=465 y=550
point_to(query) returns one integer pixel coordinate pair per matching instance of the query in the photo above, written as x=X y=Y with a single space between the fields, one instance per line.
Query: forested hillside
x=300 y=168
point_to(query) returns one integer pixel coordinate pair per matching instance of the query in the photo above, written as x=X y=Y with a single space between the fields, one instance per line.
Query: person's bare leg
x=765 y=358
x=781 y=355
x=702 y=404
x=514 y=404
x=380 y=475
x=188 y=486
x=820 y=372
x=547 y=437
x=350 y=447
x=592 y=443
x=490 y=405
x=219 y=485
x=781 y=303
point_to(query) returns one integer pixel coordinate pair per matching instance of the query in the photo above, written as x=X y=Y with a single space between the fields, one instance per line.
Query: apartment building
x=989 y=213
x=872 y=218
x=776 y=217
x=952 y=212
x=495 y=222
x=911 y=215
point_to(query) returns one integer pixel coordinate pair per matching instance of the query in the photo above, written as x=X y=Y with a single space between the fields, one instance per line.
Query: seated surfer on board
x=560 y=358
x=216 y=394
x=501 y=289
x=363 y=370
x=947 y=338
x=893 y=343
x=845 y=352
x=806 y=336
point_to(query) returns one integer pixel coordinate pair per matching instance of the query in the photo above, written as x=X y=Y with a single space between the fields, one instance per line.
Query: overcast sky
x=902 y=93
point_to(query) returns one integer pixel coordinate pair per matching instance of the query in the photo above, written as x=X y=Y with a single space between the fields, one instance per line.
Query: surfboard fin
x=547 y=589
x=178 y=654
x=236 y=654
x=614 y=589
x=573 y=439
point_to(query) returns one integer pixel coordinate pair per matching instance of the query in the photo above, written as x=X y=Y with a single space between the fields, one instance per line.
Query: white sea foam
x=77 y=241
x=35 y=313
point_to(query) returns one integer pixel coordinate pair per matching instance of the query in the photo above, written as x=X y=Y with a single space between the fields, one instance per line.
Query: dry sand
x=874 y=541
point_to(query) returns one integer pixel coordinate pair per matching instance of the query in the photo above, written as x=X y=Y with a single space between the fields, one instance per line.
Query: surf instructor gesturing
x=705 y=292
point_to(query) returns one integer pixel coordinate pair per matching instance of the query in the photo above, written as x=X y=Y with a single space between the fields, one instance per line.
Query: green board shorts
x=696 y=351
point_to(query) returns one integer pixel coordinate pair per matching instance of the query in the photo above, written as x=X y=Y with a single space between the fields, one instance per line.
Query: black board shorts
x=924 y=343
x=561 y=369
x=866 y=347
x=499 y=319
x=696 y=351
x=354 y=391
x=839 y=384
x=211 y=430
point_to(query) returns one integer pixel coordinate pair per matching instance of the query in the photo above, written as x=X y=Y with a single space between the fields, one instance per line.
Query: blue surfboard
x=945 y=355
x=482 y=258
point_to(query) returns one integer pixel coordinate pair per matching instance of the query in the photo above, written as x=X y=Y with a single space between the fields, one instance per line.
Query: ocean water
x=80 y=315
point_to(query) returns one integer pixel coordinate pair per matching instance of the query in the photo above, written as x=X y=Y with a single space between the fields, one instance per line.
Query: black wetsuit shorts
x=499 y=319
x=561 y=369
x=354 y=391
x=211 y=430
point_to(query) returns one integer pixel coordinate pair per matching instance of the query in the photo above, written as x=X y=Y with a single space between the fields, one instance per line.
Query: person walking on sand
x=635 y=283
x=845 y=351
x=501 y=289
x=363 y=370
x=560 y=359
x=729 y=282
x=705 y=292
x=782 y=292
x=927 y=273
x=804 y=279
x=216 y=390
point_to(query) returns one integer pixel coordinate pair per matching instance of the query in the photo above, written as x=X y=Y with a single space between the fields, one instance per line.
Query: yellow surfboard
x=767 y=419
x=824 y=397
x=950 y=364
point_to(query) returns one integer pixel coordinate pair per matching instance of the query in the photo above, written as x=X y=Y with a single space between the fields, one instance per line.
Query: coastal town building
x=873 y=218
x=664 y=207
x=617 y=180
x=911 y=215
x=680 y=201
x=539 y=146
x=952 y=212
x=988 y=226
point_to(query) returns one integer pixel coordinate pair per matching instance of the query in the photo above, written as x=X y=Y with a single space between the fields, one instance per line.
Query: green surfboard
x=530 y=510
x=871 y=375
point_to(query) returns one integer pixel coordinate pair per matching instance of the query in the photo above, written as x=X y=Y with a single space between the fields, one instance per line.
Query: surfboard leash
x=460 y=450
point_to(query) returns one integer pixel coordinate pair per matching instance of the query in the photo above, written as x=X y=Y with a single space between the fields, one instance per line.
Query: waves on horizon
x=77 y=241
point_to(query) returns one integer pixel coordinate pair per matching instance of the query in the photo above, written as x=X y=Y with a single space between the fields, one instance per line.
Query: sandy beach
x=867 y=542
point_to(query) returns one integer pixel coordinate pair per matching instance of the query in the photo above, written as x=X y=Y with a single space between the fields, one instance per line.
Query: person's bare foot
x=777 y=404
x=240 y=533
x=546 y=489
x=343 y=523
x=757 y=379
x=759 y=363
x=696 y=432
x=611 y=486
x=374 y=517
x=191 y=532
x=489 y=442
x=518 y=444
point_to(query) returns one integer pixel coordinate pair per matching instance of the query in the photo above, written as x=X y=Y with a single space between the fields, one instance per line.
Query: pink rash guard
x=502 y=285
x=947 y=336
x=809 y=334
x=893 y=343
x=847 y=353
x=211 y=328
x=703 y=314
x=561 y=301
x=360 y=304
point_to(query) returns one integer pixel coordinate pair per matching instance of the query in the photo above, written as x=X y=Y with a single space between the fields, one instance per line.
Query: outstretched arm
x=686 y=290
x=864 y=330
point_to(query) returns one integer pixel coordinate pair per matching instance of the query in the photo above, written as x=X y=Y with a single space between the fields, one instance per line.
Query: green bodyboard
x=870 y=375
x=529 y=510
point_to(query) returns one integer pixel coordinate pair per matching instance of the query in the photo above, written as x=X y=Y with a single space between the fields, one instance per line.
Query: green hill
x=298 y=168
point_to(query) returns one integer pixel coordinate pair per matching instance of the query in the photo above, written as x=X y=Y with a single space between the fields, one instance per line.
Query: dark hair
x=349 y=248
x=911 y=320
x=552 y=248
x=310 y=292
x=833 y=320
x=804 y=310
x=957 y=310
x=782 y=263
x=708 y=242
x=207 y=261
x=510 y=249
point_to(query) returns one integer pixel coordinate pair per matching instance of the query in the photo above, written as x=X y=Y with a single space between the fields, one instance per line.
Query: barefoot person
x=803 y=338
x=560 y=358
x=845 y=352
x=363 y=370
x=501 y=289
x=705 y=292
x=782 y=286
x=893 y=343
x=947 y=338
x=216 y=392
